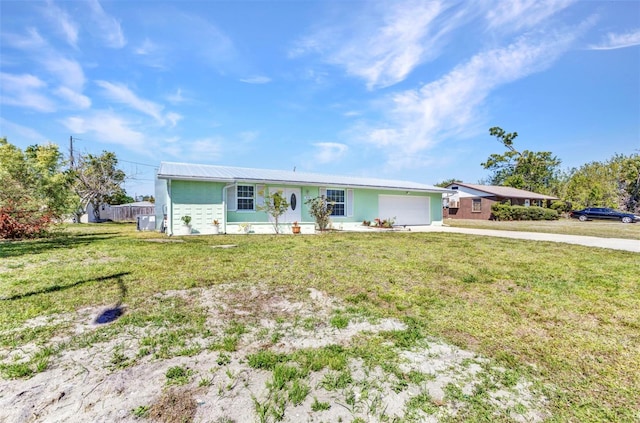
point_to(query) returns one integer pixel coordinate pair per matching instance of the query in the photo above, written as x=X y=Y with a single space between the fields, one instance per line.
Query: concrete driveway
x=632 y=245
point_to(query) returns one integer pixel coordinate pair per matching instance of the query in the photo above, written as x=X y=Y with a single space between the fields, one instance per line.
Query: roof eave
x=306 y=183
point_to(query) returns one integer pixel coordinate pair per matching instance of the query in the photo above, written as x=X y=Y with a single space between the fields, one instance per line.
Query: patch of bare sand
x=84 y=385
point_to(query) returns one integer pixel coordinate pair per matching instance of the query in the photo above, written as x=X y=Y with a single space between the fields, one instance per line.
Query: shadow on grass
x=56 y=288
x=11 y=248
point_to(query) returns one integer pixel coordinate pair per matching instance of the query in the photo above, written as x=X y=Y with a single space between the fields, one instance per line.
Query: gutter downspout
x=224 y=205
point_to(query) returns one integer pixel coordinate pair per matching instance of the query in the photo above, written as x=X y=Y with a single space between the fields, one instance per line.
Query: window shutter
x=232 y=202
x=323 y=193
x=349 y=204
x=260 y=193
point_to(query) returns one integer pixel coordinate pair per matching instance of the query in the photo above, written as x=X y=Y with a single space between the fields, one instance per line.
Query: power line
x=137 y=163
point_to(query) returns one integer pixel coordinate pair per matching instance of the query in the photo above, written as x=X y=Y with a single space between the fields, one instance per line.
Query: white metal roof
x=201 y=172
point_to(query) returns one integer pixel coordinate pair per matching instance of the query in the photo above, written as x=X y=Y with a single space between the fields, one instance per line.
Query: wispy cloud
x=53 y=67
x=26 y=91
x=614 y=41
x=177 y=97
x=31 y=41
x=146 y=48
x=256 y=80
x=385 y=47
x=107 y=27
x=421 y=118
x=106 y=126
x=75 y=99
x=63 y=22
x=67 y=71
x=327 y=152
x=514 y=15
x=152 y=54
x=122 y=94
x=22 y=131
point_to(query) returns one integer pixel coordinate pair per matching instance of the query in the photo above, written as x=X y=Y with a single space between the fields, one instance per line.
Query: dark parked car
x=604 y=213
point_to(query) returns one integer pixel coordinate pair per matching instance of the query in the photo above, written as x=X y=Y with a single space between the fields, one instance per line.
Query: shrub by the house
x=502 y=211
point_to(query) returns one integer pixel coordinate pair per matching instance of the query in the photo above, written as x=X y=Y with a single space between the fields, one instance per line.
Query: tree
x=97 y=180
x=447 y=182
x=275 y=204
x=614 y=183
x=35 y=189
x=533 y=171
x=320 y=209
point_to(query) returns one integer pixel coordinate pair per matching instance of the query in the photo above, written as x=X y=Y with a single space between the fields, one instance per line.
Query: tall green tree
x=611 y=183
x=530 y=170
x=36 y=190
x=97 y=180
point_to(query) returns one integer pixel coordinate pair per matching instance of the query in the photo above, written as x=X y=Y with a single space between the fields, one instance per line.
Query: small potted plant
x=295 y=228
x=216 y=226
x=186 y=224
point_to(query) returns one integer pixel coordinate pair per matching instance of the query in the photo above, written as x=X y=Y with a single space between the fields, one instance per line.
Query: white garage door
x=407 y=209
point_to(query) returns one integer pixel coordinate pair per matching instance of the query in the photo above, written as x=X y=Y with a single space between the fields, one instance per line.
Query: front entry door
x=293 y=213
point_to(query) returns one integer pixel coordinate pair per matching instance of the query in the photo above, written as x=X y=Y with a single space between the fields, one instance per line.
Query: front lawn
x=564 y=318
x=600 y=228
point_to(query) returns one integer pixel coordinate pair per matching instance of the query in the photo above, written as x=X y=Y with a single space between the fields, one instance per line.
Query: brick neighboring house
x=473 y=201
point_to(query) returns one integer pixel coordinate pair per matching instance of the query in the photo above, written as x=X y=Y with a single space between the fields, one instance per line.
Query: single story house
x=472 y=201
x=231 y=195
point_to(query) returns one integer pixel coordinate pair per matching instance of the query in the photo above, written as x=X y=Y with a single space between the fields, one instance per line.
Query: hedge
x=509 y=212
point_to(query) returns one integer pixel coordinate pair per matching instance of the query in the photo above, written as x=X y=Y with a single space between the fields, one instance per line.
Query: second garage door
x=407 y=210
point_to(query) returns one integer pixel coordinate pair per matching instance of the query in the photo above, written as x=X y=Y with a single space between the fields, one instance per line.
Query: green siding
x=196 y=192
x=202 y=200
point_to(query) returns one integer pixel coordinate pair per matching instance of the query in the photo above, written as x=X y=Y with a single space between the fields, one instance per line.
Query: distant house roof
x=504 y=192
x=200 y=172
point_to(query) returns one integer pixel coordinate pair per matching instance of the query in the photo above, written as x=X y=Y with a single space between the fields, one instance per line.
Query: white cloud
x=73 y=98
x=176 y=98
x=615 y=41
x=52 y=67
x=385 y=45
x=67 y=71
x=22 y=131
x=31 y=41
x=256 y=80
x=173 y=118
x=419 y=119
x=248 y=137
x=515 y=15
x=106 y=126
x=146 y=48
x=205 y=149
x=122 y=94
x=107 y=26
x=327 y=152
x=63 y=22
x=25 y=91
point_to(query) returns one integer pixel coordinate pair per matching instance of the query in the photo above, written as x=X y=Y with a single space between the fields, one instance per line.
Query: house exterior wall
x=206 y=201
x=466 y=206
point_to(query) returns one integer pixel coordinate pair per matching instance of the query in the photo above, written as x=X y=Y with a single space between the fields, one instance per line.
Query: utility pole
x=71 y=164
x=71 y=158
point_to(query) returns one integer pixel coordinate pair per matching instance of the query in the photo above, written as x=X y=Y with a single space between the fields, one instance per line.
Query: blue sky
x=398 y=90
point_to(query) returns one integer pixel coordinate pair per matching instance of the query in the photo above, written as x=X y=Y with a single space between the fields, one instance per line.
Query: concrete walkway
x=632 y=245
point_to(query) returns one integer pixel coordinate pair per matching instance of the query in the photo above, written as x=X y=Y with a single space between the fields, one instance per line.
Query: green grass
x=565 y=315
x=600 y=228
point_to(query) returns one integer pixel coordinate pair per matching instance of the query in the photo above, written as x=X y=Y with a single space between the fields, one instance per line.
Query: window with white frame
x=337 y=197
x=245 y=197
x=476 y=205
